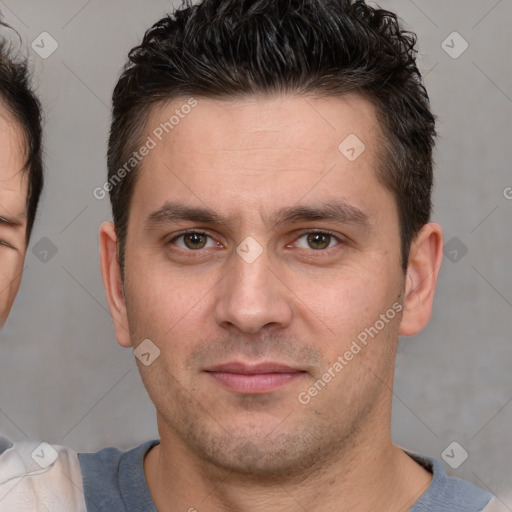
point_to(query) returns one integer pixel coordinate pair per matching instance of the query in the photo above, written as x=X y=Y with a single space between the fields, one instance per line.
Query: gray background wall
x=64 y=379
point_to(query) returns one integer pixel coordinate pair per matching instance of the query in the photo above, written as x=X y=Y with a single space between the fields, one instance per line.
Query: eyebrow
x=334 y=210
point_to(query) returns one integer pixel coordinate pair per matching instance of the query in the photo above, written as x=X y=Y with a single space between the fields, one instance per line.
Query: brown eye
x=195 y=240
x=318 y=240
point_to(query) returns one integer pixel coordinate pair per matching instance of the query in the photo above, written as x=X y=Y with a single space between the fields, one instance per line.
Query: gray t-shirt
x=114 y=481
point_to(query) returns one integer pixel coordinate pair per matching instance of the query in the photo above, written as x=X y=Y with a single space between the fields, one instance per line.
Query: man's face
x=217 y=304
x=13 y=196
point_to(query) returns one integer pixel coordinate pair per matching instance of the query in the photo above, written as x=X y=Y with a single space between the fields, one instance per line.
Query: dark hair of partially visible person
x=20 y=101
x=235 y=48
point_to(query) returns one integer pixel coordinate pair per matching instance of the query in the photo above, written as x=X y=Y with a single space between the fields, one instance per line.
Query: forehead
x=260 y=149
x=263 y=122
x=13 y=179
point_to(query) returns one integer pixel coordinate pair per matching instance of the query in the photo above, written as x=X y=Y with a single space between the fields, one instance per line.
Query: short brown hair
x=234 y=48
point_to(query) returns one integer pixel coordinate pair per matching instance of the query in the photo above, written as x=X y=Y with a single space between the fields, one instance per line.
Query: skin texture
x=301 y=302
x=13 y=214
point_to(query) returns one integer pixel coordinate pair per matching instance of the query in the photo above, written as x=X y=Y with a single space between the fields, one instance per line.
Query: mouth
x=254 y=378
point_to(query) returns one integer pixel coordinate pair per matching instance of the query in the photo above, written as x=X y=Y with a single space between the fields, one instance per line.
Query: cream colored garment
x=37 y=477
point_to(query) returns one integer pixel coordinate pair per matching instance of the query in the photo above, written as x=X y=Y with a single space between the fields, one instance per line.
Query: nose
x=253 y=296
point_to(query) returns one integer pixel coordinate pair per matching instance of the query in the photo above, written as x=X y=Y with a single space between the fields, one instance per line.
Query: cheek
x=345 y=301
x=11 y=267
x=165 y=308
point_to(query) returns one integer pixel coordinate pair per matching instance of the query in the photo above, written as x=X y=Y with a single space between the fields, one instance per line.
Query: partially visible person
x=21 y=171
x=21 y=183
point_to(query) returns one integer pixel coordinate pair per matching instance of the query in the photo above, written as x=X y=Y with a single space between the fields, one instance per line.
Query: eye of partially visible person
x=6 y=244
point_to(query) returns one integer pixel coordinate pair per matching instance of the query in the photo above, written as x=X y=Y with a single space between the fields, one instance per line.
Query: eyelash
x=316 y=252
x=5 y=244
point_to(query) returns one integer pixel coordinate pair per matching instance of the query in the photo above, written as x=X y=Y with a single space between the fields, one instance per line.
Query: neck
x=370 y=474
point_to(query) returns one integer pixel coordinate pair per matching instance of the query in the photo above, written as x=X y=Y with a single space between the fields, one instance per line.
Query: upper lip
x=253 y=369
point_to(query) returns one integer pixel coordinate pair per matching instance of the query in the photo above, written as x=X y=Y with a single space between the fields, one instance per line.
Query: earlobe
x=113 y=283
x=424 y=263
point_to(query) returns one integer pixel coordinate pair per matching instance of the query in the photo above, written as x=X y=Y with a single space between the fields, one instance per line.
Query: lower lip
x=258 y=383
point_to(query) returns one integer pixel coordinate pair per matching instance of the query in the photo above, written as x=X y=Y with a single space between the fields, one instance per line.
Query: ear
x=111 y=274
x=424 y=262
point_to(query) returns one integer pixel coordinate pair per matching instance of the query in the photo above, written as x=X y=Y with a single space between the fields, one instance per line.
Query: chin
x=260 y=457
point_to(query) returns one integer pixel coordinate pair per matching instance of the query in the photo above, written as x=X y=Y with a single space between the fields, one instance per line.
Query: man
x=21 y=182
x=271 y=241
x=270 y=173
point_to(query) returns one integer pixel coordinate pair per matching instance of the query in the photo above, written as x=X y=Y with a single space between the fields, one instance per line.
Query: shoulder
x=112 y=477
x=37 y=476
x=447 y=493
x=108 y=463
